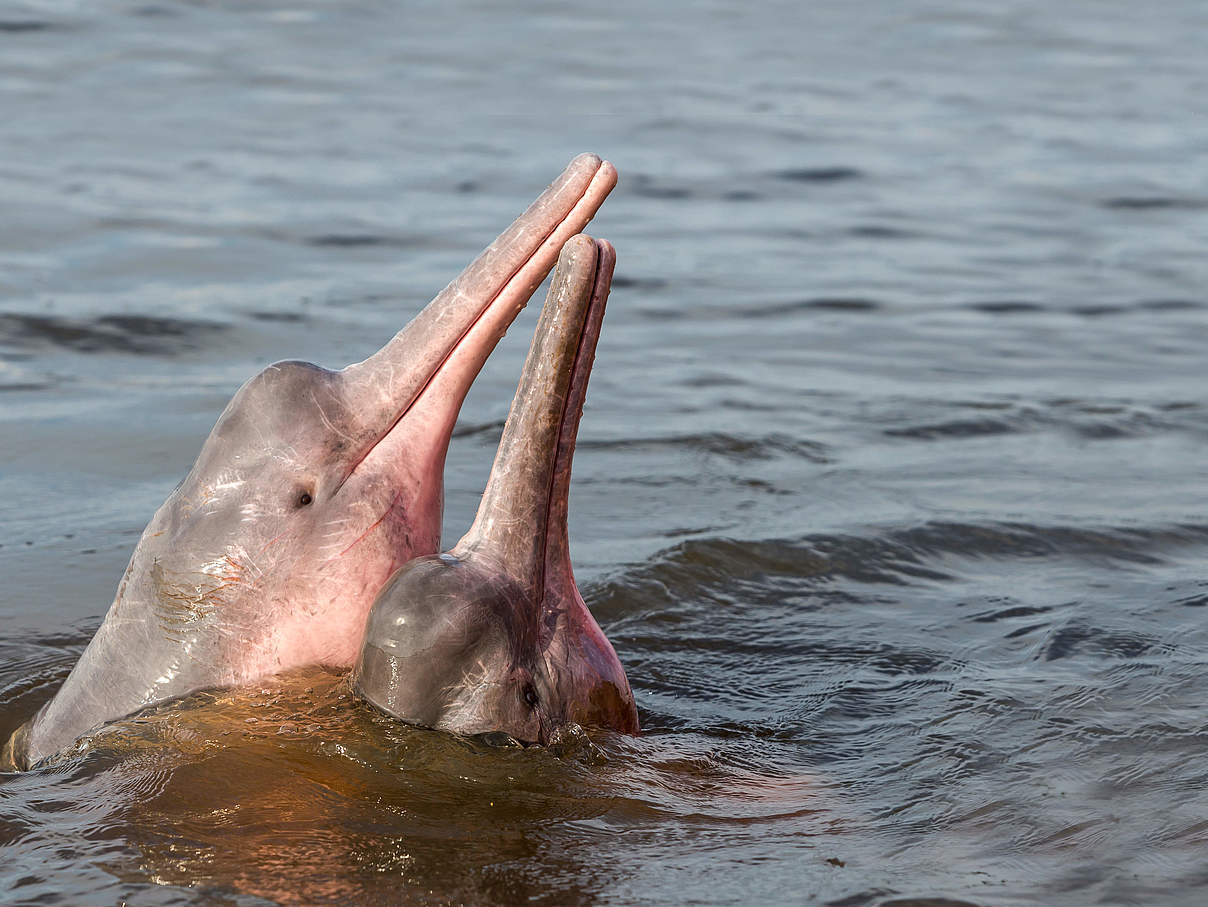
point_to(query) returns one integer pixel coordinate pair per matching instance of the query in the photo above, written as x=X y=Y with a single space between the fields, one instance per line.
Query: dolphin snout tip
x=578 y=245
x=589 y=162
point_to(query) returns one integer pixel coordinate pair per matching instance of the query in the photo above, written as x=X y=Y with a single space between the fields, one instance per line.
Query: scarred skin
x=313 y=488
x=494 y=635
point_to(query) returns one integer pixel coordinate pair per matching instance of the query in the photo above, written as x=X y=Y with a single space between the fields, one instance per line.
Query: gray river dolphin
x=314 y=487
x=494 y=635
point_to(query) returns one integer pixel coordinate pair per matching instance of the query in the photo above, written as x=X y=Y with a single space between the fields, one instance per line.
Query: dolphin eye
x=304 y=499
x=530 y=696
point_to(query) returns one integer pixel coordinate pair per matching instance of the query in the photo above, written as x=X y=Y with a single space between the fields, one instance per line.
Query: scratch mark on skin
x=335 y=531
x=388 y=394
x=246 y=564
x=269 y=544
x=338 y=523
x=376 y=523
x=192 y=598
x=466 y=699
x=327 y=422
x=287 y=454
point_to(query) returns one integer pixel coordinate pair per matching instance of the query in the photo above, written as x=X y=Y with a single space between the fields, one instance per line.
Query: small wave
x=647 y=284
x=1169 y=305
x=1089 y=420
x=140 y=334
x=882 y=231
x=25 y=26
x=355 y=240
x=1006 y=307
x=19 y=386
x=816 y=304
x=31 y=669
x=646 y=186
x=1154 y=203
x=730 y=447
x=818 y=174
x=989 y=617
x=956 y=428
x=736 y=189
x=1087 y=310
x=1196 y=600
x=903 y=556
x=1098 y=311
x=284 y=317
x=152 y=10
x=1076 y=638
x=474 y=429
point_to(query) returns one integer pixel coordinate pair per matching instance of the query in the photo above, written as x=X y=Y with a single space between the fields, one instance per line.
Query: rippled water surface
x=891 y=491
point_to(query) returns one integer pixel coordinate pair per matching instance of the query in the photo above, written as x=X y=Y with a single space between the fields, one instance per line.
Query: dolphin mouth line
x=572 y=410
x=600 y=175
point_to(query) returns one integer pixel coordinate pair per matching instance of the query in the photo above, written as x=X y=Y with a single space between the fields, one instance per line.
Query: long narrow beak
x=422 y=375
x=521 y=522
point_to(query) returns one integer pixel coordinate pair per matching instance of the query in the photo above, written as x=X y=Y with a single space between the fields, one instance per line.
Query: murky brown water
x=890 y=492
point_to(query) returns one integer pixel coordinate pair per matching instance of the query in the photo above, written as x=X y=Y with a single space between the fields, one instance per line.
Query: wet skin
x=494 y=635
x=313 y=488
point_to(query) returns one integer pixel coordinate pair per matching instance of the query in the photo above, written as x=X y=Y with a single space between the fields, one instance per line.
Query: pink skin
x=312 y=489
x=494 y=635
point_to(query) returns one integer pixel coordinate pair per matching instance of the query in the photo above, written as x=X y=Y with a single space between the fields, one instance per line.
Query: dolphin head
x=494 y=635
x=316 y=485
x=312 y=489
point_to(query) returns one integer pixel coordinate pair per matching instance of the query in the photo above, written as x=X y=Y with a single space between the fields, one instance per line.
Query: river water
x=891 y=491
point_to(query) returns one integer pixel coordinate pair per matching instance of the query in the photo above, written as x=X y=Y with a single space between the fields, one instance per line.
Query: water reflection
x=300 y=794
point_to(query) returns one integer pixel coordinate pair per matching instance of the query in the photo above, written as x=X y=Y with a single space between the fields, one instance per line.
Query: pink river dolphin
x=493 y=636
x=313 y=488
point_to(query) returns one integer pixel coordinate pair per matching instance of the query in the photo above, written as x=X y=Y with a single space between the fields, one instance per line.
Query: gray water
x=891 y=491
